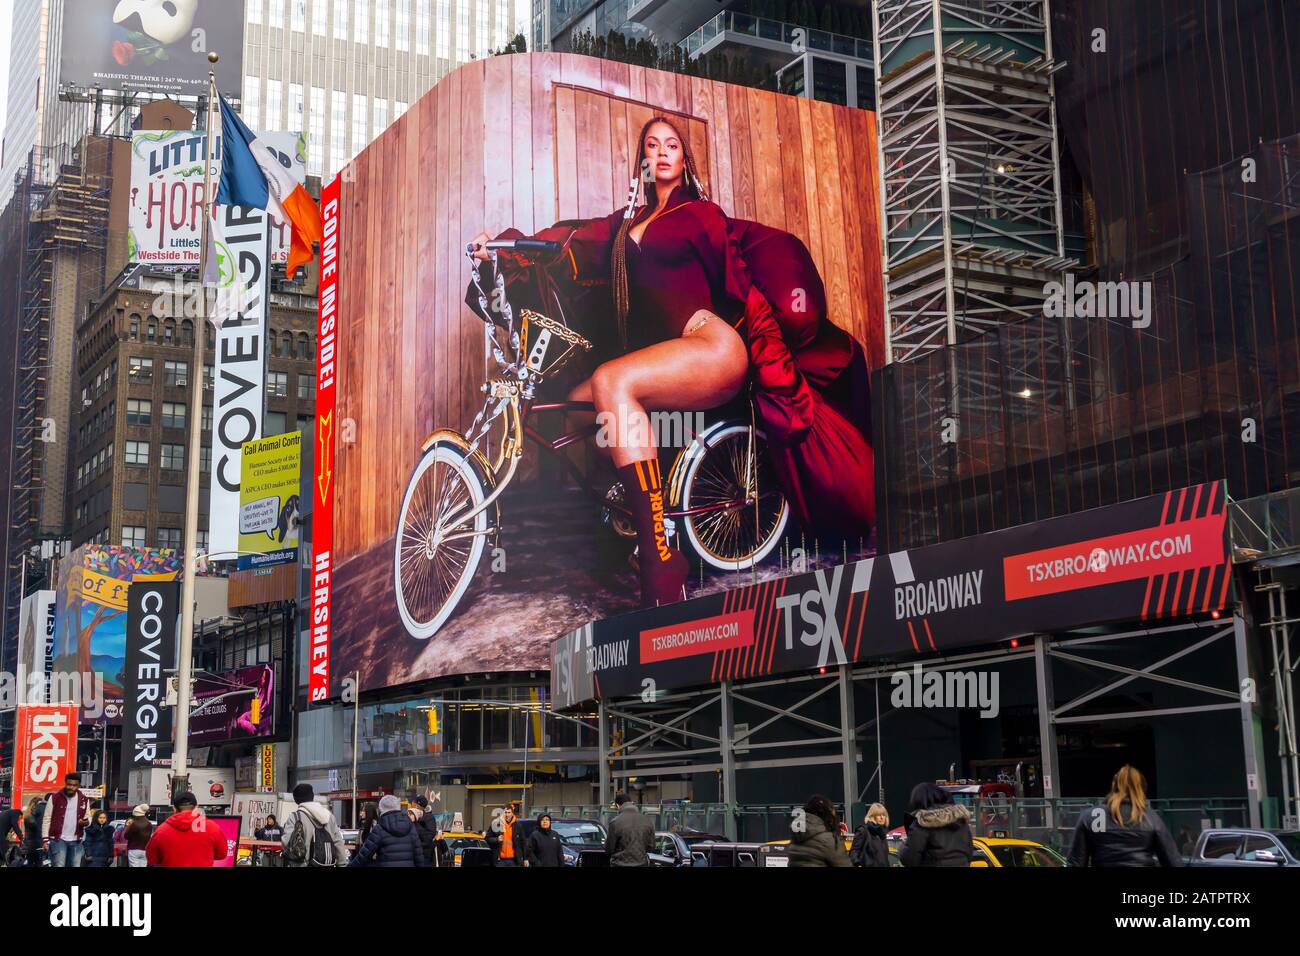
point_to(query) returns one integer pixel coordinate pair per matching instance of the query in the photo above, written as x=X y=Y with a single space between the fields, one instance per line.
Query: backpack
x=321 y=852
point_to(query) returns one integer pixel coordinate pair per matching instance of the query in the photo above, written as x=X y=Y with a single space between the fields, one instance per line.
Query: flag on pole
x=252 y=176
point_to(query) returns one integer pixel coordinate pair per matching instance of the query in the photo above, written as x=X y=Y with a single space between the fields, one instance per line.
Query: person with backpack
x=870 y=846
x=393 y=841
x=311 y=837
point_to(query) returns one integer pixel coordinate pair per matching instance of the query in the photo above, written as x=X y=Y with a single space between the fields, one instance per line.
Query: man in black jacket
x=430 y=838
x=631 y=837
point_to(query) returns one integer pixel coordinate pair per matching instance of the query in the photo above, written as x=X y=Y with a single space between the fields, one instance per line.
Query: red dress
x=809 y=376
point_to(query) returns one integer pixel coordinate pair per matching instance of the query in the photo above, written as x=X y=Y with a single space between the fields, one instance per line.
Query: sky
x=6 y=23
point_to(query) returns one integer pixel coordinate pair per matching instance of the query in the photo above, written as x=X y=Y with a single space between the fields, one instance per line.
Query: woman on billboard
x=692 y=325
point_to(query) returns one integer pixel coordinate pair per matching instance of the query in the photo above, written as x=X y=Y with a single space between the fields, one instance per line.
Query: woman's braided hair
x=618 y=259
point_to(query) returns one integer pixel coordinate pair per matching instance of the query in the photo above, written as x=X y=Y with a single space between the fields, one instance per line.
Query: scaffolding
x=969 y=170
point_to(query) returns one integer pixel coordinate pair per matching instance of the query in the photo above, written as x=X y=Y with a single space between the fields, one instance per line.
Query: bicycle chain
x=556 y=328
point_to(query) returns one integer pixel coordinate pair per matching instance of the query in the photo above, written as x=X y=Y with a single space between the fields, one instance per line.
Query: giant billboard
x=91 y=617
x=36 y=625
x=1157 y=557
x=151 y=46
x=592 y=337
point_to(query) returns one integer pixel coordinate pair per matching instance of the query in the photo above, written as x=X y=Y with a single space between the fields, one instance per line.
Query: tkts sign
x=1156 y=557
x=45 y=748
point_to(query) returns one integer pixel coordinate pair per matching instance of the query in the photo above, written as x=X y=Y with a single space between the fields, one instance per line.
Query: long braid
x=618 y=257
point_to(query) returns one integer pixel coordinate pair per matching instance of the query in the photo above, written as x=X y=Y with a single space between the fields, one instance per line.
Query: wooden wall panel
x=526 y=141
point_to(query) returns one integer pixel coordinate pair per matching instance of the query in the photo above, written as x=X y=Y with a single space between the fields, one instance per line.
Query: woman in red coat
x=691 y=325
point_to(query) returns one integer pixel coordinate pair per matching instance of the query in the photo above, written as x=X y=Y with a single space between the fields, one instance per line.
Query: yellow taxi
x=457 y=841
x=1006 y=852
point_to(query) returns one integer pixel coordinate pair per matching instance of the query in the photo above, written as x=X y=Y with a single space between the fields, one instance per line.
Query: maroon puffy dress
x=809 y=376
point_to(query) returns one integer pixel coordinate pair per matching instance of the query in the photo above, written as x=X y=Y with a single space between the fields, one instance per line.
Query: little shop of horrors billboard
x=651 y=373
x=1157 y=557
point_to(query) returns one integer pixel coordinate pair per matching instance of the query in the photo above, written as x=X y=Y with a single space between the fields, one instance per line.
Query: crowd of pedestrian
x=62 y=830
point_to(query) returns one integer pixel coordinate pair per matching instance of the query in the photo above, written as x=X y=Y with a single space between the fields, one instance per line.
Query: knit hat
x=388 y=803
x=141 y=811
x=303 y=793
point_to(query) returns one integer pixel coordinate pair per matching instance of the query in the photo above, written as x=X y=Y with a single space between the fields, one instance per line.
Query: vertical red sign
x=45 y=748
x=322 y=572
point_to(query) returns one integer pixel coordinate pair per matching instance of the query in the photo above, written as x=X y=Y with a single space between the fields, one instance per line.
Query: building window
x=176 y=374
x=132 y=536
x=187 y=333
x=253 y=12
x=277 y=14
x=319 y=12
x=207 y=418
x=252 y=101
x=295 y=107
x=316 y=131
x=422 y=27
x=399 y=107
x=304 y=346
x=152 y=334
x=287 y=345
x=402 y=29
x=275 y=423
x=207 y=378
x=273 y=90
x=173 y=457
x=298 y=10
x=306 y=384
x=201 y=541
x=462 y=31
x=135 y=328
x=139 y=370
x=361 y=20
x=340 y=19
x=139 y=411
x=169 y=538
x=277 y=384
x=205 y=458
x=137 y=453
x=359 y=117
x=381 y=23
x=169 y=332
x=443 y=33
x=173 y=414
x=338 y=128
x=381 y=115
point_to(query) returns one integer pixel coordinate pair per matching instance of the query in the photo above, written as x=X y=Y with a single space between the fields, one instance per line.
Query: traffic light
x=433 y=720
x=257 y=710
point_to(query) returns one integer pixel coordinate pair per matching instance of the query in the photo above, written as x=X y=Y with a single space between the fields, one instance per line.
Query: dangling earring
x=631 y=197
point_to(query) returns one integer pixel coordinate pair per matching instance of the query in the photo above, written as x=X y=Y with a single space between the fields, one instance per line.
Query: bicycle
x=720 y=486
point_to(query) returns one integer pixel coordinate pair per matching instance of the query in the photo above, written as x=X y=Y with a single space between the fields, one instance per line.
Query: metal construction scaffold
x=969 y=169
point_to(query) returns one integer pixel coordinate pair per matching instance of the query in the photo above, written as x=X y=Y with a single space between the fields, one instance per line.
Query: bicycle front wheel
x=736 y=512
x=437 y=551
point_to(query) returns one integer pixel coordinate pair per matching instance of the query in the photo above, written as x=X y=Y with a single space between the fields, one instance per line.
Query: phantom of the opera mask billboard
x=593 y=337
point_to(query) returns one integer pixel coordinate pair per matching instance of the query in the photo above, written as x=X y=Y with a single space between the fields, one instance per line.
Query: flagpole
x=185 y=654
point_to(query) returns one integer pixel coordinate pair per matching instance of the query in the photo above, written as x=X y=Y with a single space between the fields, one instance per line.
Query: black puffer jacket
x=392 y=842
x=545 y=848
x=1100 y=841
x=939 y=836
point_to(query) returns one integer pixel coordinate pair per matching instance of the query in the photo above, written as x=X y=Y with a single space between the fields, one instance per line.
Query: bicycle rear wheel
x=740 y=512
x=435 y=554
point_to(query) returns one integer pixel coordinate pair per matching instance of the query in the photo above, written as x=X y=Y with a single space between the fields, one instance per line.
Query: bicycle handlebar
x=541 y=246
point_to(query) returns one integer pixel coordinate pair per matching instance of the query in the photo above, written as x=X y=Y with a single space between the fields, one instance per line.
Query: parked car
x=581 y=838
x=675 y=848
x=1239 y=846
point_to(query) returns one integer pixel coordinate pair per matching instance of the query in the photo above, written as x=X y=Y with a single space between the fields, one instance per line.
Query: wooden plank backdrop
x=525 y=141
